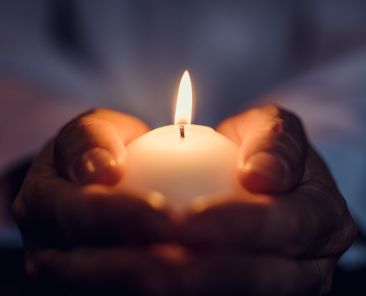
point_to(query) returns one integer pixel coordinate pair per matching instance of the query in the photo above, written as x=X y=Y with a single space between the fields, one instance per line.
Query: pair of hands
x=282 y=238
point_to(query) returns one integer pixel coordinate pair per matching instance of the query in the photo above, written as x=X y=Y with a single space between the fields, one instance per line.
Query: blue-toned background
x=58 y=58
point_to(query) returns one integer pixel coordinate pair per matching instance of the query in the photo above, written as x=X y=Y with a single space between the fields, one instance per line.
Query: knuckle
x=65 y=132
x=96 y=110
x=293 y=121
x=276 y=126
x=69 y=129
x=24 y=204
x=353 y=230
x=283 y=115
x=78 y=133
x=82 y=122
x=93 y=110
x=83 y=125
x=290 y=115
x=346 y=229
x=26 y=199
x=281 y=120
x=343 y=234
x=268 y=111
x=350 y=232
x=273 y=110
x=26 y=189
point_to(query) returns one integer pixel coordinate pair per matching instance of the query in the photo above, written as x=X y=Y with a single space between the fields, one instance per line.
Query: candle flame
x=183 y=108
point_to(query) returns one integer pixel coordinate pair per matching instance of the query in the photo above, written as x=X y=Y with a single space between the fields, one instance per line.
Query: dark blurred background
x=61 y=57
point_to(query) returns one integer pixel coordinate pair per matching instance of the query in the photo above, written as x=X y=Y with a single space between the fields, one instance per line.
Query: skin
x=281 y=236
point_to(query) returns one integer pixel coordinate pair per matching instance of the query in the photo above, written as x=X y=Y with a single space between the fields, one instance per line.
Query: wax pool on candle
x=201 y=163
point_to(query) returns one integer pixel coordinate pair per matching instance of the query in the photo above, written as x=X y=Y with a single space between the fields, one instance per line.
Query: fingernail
x=96 y=165
x=267 y=165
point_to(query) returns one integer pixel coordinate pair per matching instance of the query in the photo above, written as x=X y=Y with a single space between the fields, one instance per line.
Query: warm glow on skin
x=201 y=203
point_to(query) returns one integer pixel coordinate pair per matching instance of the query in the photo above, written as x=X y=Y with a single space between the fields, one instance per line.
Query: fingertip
x=91 y=147
x=265 y=172
x=273 y=148
x=97 y=165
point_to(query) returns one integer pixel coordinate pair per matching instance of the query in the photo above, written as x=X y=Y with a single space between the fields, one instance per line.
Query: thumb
x=272 y=148
x=91 y=148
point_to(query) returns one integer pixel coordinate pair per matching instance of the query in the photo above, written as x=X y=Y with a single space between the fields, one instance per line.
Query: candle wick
x=181 y=130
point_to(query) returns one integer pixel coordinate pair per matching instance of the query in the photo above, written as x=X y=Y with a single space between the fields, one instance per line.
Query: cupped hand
x=282 y=237
x=78 y=227
x=285 y=234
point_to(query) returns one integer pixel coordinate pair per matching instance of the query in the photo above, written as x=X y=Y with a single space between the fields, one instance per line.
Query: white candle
x=183 y=161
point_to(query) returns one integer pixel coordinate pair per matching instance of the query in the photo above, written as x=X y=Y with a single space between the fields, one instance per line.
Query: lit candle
x=183 y=161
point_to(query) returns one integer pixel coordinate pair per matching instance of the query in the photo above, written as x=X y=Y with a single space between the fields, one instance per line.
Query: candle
x=183 y=161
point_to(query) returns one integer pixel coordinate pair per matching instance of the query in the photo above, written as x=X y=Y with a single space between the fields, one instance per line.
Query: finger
x=116 y=271
x=273 y=148
x=54 y=211
x=245 y=274
x=104 y=271
x=311 y=221
x=91 y=148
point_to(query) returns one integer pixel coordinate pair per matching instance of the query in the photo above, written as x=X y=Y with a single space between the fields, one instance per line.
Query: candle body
x=201 y=163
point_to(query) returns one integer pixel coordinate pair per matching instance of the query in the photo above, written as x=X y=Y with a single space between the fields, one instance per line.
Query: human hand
x=81 y=230
x=282 y=237
x=80 y=252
